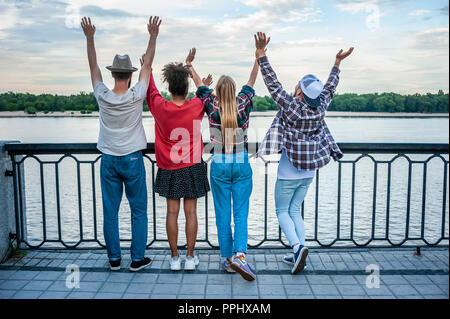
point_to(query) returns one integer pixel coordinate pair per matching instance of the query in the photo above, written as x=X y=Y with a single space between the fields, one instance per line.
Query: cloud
x=305 y=15
x=311 y=42
x=44 y=42
x=371 y=8
x=91 y=10
x=286 y=10
x=156 y=7
x=418 y=12
x=433 y=39
x=383 y=3
x=8 y=18
x=279 y=6
x=444 y=10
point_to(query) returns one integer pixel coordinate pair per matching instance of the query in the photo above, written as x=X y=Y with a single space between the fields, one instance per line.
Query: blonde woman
x=231 y=173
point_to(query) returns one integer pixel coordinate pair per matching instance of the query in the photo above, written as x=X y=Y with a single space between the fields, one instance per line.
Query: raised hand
x=191 y=56
x=341 y=55
x=88 y=28
x=261 y=42
x=256 y=54
x=208 y=80
x=153 y=26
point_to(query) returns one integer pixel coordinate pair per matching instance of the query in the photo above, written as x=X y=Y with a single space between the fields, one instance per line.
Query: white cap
x=311 y=87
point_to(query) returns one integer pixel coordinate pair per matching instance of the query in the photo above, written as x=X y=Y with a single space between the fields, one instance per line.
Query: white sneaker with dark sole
x=175 y=263
x=191 y=263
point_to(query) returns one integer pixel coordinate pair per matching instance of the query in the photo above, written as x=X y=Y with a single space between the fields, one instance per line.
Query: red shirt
x=178 y=137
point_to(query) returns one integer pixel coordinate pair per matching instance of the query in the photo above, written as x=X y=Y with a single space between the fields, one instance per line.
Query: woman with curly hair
x=182 y=174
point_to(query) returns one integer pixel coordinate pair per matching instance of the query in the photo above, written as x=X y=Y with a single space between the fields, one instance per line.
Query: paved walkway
x=333 y=273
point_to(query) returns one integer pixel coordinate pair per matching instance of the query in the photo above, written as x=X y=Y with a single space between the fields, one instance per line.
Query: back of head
x=122 y=69
x=226 y=93
x=122 y=77
x=311 y=88
x=177 y=76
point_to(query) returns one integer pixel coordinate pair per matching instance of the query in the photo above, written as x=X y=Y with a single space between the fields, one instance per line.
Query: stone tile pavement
x=331 y=273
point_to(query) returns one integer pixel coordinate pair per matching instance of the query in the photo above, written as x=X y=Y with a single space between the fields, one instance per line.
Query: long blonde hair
x=226 y=93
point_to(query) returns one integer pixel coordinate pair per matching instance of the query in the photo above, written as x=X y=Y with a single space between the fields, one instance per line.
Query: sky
x=401 y=46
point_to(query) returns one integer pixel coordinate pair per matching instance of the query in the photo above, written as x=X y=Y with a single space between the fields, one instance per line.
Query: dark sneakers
x=300 y=259
x=115 y=264
x=289 y=260
x=138 y=265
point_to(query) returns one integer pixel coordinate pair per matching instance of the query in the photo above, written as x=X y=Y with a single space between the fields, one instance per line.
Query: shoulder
x=139 y=90
x=248 y=91
x=100 y=89
x=196 y=101
x=203 y=91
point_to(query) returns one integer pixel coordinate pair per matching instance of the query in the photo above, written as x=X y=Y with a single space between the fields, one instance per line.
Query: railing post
x=7 y=204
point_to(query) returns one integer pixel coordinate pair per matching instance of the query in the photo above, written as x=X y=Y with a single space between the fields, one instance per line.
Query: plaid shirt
x=297 y=128
x=212 y=108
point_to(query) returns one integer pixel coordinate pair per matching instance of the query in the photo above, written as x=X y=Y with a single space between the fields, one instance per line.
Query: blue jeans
x=289 y=196
x=116 y=171
x=231 y=182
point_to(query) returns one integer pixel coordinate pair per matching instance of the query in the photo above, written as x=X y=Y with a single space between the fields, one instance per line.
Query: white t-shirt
x=121 y=129
x=288 y=171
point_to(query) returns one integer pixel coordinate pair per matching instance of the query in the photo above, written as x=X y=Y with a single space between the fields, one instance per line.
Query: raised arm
x=333 y=79
x=153 y=29
x=208 y=80
x=195 y=77
x=341 y=55
x=253 y=74
x=89 y=31
x=280 y=96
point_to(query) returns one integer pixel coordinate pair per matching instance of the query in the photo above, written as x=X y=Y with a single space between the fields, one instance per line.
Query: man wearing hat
x=121 y=141
x=300 y=133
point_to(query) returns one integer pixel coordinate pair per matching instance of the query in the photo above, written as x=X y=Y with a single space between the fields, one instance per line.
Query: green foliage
x=90 y=108
x=47 y=102
x=30 y=110
x=391 y=102
x=167 y=96
x=374 y=102
x=265 y=103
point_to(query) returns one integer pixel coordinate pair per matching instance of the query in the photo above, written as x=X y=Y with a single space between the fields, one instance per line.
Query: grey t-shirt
x=121 y=129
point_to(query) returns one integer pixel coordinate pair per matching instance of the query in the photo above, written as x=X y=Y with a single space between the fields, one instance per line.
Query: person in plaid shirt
x=300 y=133
x=231 y=174
x=244 y=107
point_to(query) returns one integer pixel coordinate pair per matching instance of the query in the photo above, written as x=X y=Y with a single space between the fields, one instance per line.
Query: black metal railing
x=412 y=221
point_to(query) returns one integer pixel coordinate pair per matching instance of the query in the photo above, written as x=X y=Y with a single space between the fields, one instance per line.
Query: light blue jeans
x=231 y=185
x=289 y=196
x=115 y=172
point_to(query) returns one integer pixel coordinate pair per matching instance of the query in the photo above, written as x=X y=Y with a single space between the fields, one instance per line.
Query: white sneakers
x=190 y=263
x=175 y=263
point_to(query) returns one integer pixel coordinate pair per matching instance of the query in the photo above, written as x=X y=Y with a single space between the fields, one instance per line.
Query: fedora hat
x=311 y=87
x=122 y=63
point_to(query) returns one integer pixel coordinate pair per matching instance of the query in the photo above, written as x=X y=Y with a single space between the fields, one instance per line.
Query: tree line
x=373 y=102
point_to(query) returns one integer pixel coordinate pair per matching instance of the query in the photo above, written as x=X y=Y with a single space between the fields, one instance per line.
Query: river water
x=348 y=129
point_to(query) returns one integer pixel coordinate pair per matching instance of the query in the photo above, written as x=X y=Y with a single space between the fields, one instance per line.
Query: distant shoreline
x=18 y=114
